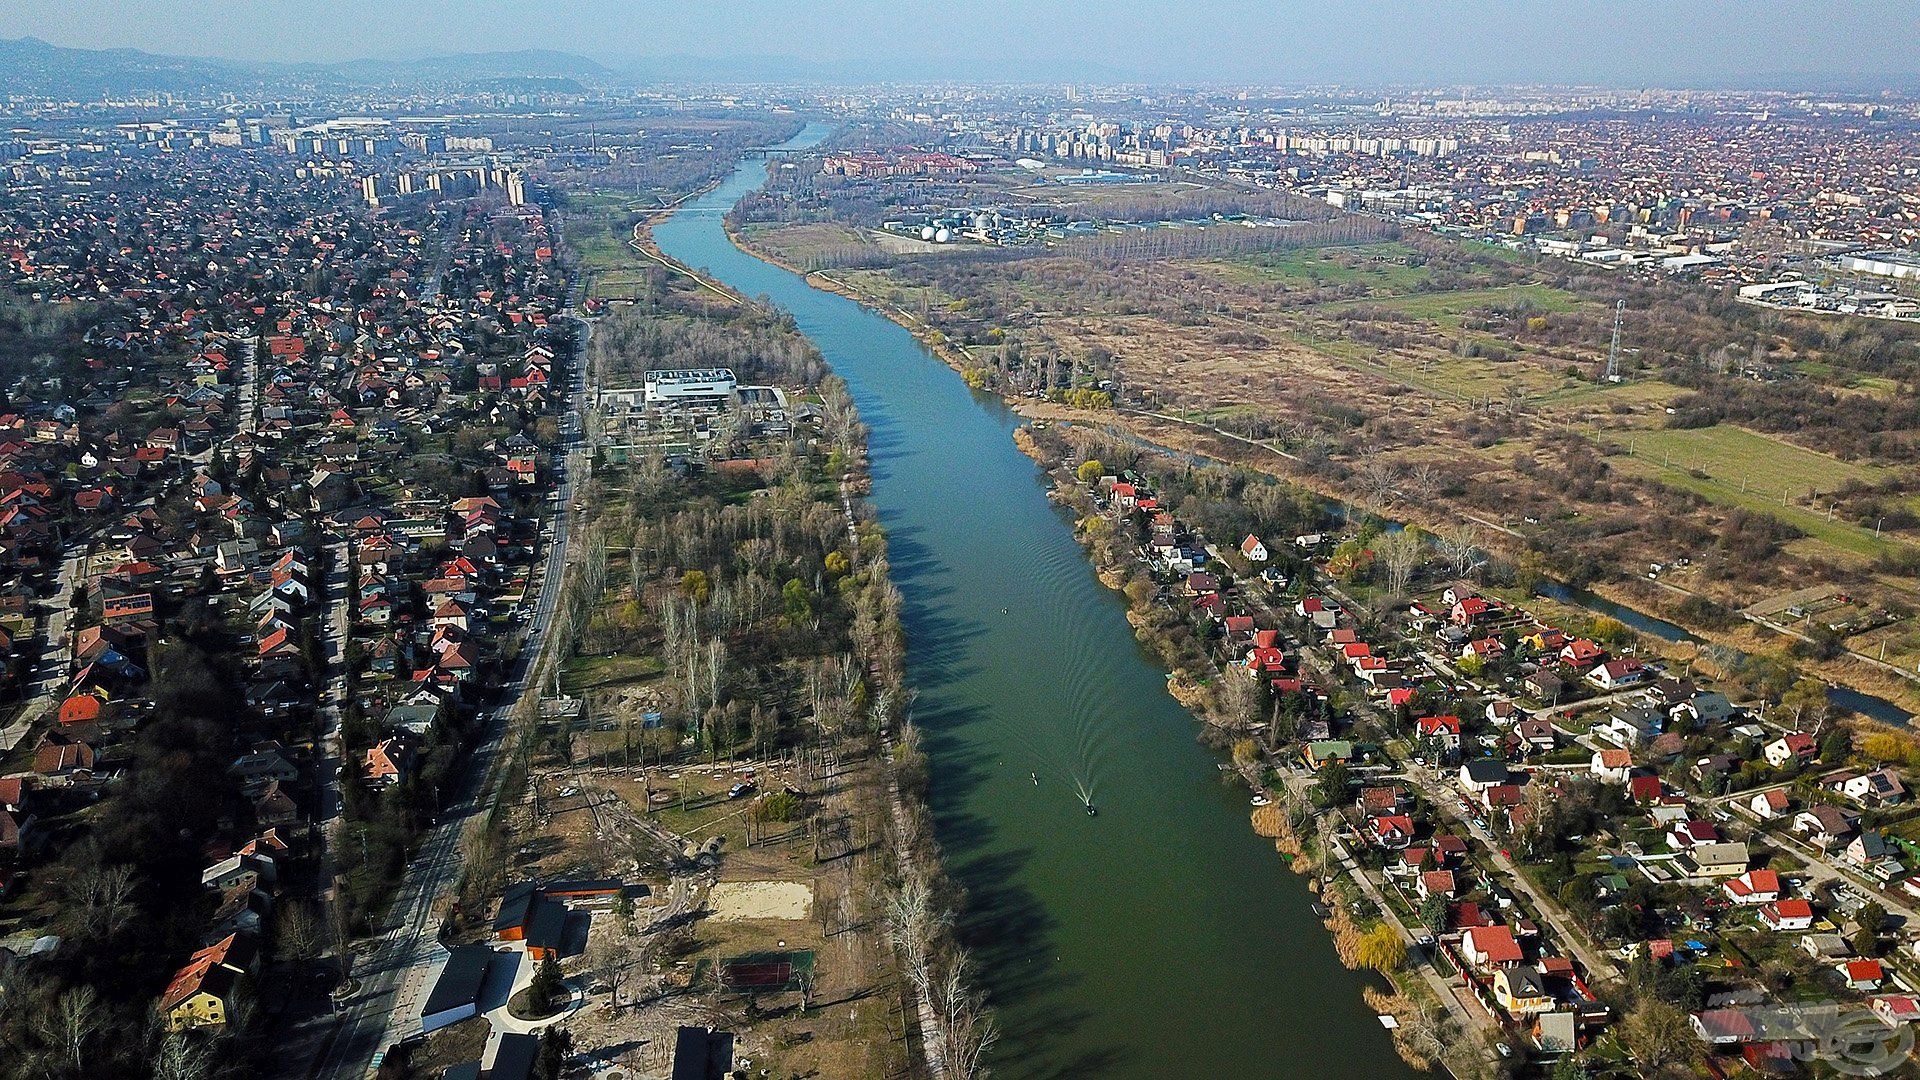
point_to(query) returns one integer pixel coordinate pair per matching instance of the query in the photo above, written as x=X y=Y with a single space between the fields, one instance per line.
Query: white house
x=1490 y=947
x=1753 y=887
x=1611 y=766
x=1615 y=674
x=1768 y=805
x=1787 y=749
x=1787 y=916
x=1254 y=550
x=1877 y=788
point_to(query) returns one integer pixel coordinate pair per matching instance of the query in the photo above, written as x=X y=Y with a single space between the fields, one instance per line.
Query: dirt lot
x=733 y=901
x=801 y=885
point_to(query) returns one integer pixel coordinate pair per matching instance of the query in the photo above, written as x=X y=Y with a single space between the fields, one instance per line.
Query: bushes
x=779 y=806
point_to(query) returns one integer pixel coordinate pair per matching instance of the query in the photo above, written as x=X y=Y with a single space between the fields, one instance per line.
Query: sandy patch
x=761 y=900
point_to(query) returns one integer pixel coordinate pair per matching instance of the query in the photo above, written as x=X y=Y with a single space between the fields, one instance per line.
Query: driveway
x=510 y=973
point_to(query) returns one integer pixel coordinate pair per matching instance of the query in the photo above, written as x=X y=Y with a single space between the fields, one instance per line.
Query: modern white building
x=715 y=386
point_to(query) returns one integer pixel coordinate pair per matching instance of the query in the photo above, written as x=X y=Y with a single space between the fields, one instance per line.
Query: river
x=1161 y=938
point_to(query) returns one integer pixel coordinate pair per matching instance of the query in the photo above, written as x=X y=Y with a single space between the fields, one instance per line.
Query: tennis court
x=762 y=973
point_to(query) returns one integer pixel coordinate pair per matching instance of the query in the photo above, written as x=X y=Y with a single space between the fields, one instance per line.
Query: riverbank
x=1035 y=702
x=1196 y=437
x=1282 y=813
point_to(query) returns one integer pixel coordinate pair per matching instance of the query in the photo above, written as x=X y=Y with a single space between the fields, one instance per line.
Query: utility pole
x=1613 y=353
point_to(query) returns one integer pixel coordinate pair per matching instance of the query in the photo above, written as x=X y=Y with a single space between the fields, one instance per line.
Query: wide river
x=1161 y=938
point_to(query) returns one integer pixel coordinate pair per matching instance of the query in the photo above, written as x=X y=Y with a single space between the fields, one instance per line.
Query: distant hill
x=519 y=64
x=31 y=66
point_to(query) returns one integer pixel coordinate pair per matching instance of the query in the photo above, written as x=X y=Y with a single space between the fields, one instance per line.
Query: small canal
x=1868 y=705
x=1159 y=939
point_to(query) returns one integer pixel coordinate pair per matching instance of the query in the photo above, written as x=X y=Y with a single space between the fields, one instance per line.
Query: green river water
x=1161 y=938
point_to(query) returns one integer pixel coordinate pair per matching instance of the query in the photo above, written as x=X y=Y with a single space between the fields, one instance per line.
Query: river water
x=1161 y=938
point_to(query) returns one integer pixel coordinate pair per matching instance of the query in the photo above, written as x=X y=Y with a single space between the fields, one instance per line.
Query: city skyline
x=1723 y=43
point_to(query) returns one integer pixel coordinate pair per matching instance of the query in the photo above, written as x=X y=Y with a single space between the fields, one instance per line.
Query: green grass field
x=583 y=673
x=1729 y=454
x=1732 y=466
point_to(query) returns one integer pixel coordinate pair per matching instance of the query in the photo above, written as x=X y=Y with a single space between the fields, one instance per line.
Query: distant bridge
x=770 y=152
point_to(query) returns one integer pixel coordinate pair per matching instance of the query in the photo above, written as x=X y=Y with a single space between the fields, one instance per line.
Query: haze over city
x=1483 y=42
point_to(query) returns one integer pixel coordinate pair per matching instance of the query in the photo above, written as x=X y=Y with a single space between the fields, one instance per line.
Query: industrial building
x=1893 y=264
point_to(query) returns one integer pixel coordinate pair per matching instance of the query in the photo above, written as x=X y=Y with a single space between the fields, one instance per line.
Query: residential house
x=1691 y=833
x=1826 y=825
x=1490 y=948
x=1521 y=991
x=1702 y=710
x=1716 y=860
x=1611 y=766
x=1504 y=713
x=1863 y=975
x=1633 y=726
x=1482 y=773
x=1794 y=748
x=1545 y=686
x=1617 y=674
x=1392 y=831
x=1787 y=916
x=1881 y=787
x=1581 y=654
x=1444 y=730
x=1436 y=883
x=201 y=994
x=1753 y=887
x=1870 y=849
x=1533 y=736
x=387 y=762
x=1770 y=804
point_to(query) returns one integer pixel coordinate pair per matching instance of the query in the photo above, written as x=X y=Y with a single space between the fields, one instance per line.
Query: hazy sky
x=1622 y=42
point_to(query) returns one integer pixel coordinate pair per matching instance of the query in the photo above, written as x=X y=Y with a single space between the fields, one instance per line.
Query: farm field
x=1735 y=467
x=1446 y=307
x=1730 y=454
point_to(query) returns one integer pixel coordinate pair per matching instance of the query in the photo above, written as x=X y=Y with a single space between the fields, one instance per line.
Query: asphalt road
x=397 y=972
x=47 y=683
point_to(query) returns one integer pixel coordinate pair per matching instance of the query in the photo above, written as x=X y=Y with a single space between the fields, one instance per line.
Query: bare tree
x=103 y=897
x=611 y=960
x=912 y=923
x=716 y=670
x=74 y=1020
x=297 y=933
x=966 y=1031
x=1460 y=544
x=1379 y=476
x=1423 y=481
x=1243 y=700
x=1400 y=554
x=178 y=1058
